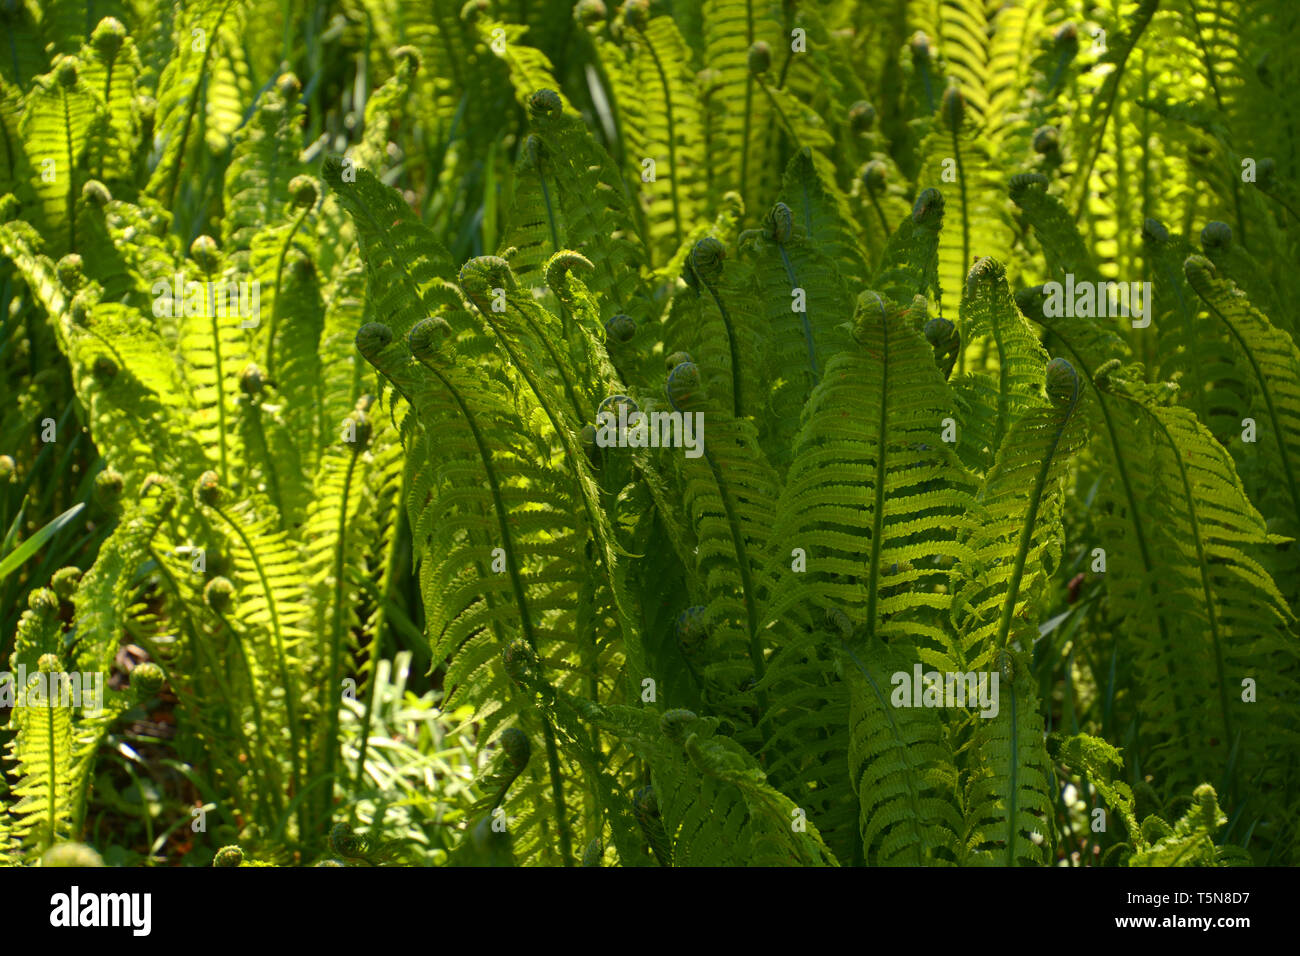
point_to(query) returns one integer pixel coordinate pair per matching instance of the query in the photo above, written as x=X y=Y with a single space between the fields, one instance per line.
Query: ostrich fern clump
x=377 y=368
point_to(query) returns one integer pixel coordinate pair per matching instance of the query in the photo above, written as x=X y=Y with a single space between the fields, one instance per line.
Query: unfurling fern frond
x=1014 y=548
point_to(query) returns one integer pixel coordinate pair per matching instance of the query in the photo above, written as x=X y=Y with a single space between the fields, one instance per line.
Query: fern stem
x=550 y=209
x=1027 y=532
x=290 y=688
x=190 y=109
x=1278 y=429
x=1139 y=531
x=1013 y=793
x=272 y=476
x=275 y=305
x=878 y=505
x=108 y=101
x=884 y=223
x=572 y=454
x=965 y=230
x=1109 y=91
x=259 y=722
x=803 y=316
x=733 y=348
x=749 y=103
x=521 y=598
x=210 y=663
x=72 y=173
x=569 y=388
x=1008 y=610
x=221 y=393
x=330 y=686
x=1203 y=567
x=377 y=645
x=742 y=561
x=744 y=139
x=905 y=751
x=672 y=145
x=555 y=240
x=54 y=763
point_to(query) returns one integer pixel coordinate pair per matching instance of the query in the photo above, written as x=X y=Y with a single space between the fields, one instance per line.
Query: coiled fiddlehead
x=862 y=116
x=484 y=273
x=1062 y=383
x=1216 y=237
x=428 y=339
x=371 y=340
x=65 y=581
x=620 y=329
x=677 y=358
x=780 y=223
x=704 y=262
x=875 y=175
x=675 y=723
x=232 y=855
x=558 y=268
x=146 y=680
x=683 y=385
x=219 y=594
x=545 y=104
x=928 y=208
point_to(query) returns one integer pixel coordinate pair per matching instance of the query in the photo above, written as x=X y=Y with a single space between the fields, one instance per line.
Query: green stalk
x=732 y=348
x=517 y=585
x=54 y=764
x=275 y=305
x=878 y=505
x=290 y=688
x=377 y=648
x=210 y=663
x=803 y=316
x=191 y=108
x=108 y=89
x=672 y=146
x=72 y=173
x=330 y=687
x=221 y=389
x=744 y=139
x=1008 y=609
x=258 y=723
x=272 y=476
x=1278 y=429
x=1139 y=531
x=749 y=102
x=1013 y=802
x=746 y=575
x=965 y=230
x=884 y=224
x=1203 y=566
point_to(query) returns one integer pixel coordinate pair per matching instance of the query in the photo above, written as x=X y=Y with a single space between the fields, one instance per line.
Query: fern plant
x=826 y=243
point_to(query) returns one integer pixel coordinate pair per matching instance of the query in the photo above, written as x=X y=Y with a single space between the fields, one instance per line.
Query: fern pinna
x=712 y=377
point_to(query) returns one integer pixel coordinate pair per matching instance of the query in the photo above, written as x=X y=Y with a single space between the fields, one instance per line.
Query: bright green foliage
x=829 y=240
